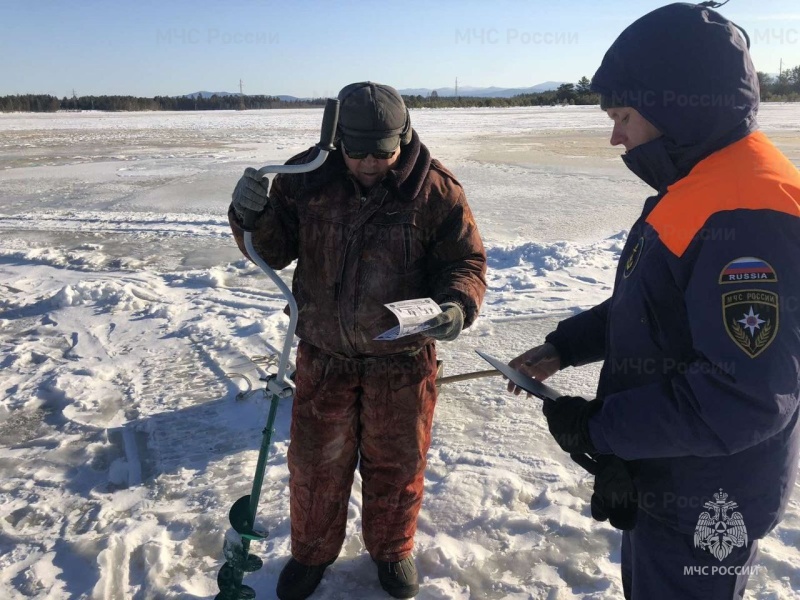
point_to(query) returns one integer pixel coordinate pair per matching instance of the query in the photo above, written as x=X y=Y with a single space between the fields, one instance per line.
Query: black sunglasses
x=361 y=155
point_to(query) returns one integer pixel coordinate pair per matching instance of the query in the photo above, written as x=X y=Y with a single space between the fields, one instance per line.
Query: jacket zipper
x=356 y=295
x=407 y=245
x=338 y=286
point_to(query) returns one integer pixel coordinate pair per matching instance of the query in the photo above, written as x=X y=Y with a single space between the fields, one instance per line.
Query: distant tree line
x=567 y=93
x=29 y=103
x=781 y=88
x=45 y=103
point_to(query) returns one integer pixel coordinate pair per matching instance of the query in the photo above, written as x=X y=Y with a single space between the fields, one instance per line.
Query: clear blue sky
x=315 y=47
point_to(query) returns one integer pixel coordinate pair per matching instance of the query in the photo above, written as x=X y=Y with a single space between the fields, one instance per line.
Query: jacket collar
x=651 y=163
x=415 y=161
x=661 y=162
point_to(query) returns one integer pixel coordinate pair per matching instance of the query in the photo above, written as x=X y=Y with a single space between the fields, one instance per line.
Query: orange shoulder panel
x=749 y=174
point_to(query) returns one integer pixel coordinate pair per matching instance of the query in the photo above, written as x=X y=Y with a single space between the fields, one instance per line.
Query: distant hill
x=485 y=92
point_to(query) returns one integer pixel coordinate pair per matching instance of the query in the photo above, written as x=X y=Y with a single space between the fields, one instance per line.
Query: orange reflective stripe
x=749 y=174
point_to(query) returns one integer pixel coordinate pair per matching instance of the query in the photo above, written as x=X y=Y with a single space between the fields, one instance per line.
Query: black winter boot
x=399 y=579
x=298 y=581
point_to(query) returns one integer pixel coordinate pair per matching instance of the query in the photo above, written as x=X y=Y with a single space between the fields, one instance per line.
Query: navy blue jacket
x=701 y=337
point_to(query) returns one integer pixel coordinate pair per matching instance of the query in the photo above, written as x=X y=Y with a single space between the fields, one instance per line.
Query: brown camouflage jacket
x=412 y=236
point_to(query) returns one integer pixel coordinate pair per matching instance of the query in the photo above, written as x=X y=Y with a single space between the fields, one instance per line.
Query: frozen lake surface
x=128 y=318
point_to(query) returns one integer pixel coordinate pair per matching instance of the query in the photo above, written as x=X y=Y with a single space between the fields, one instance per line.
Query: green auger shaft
x=242 y=517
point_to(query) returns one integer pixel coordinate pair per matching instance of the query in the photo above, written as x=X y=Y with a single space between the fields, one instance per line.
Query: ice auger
x=236 y=546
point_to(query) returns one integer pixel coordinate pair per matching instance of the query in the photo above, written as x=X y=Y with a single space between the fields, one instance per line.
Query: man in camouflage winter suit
x=380 y=221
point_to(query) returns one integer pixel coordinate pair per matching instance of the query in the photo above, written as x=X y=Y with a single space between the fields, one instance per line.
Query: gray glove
x=250 y=194
x=447 y=325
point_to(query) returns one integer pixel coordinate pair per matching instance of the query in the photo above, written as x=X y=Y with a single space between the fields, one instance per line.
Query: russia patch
x=748 y=268
x=751 y=319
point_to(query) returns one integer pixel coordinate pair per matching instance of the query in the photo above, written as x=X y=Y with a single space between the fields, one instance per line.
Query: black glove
x=448 y=324
x=251 y=194
x=568 y=421
x=615 y=497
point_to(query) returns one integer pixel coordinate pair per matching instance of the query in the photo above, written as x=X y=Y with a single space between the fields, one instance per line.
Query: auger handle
x=330 y=119
x=327 y=135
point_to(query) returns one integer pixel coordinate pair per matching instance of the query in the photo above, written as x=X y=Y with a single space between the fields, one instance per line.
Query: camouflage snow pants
x=376 y=414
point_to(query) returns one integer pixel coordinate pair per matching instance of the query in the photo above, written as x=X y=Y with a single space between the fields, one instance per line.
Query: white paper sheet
x=411 y=314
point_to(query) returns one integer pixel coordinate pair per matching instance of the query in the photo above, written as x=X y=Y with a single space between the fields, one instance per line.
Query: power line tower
x=456 y=87
x=241 y=95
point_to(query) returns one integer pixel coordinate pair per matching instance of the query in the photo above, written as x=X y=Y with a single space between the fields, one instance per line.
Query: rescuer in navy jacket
x=694 y=432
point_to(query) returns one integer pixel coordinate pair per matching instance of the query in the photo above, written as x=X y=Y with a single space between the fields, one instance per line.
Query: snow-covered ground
x=128 y=318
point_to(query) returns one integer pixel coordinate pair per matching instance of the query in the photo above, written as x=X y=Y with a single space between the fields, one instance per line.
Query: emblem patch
x=748 y=268
x=751 y=319
x=720 y=533
x=633 y=257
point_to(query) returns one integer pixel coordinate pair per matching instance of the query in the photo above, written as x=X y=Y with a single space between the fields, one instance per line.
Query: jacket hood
x=688 y=71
